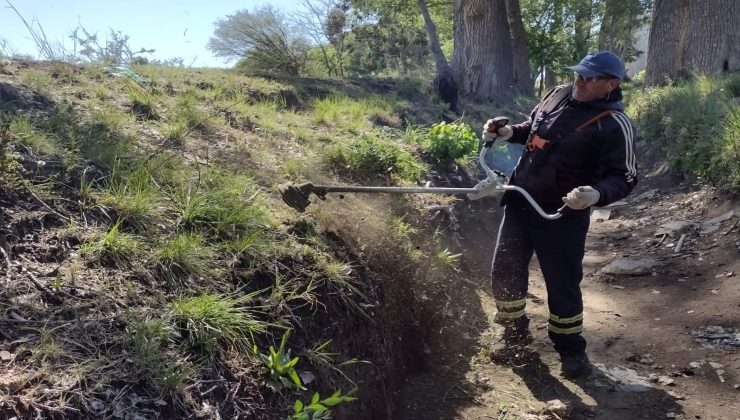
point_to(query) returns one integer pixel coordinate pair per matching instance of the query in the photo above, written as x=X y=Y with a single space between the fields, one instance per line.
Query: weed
x=415 y=134
x=285 y=295
x=319 y=356
x=280 y=367
x=696 y=122
x=209 y=319
x=114 y=247
x=143 y=101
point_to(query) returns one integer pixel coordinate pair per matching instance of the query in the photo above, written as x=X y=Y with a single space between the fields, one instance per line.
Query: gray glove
x=582 y=197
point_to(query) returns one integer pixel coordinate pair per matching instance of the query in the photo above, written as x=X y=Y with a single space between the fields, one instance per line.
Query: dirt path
x=644 y=329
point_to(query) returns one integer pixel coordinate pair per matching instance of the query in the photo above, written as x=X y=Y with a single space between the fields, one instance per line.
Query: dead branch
x=679 y=244
x=48 y=207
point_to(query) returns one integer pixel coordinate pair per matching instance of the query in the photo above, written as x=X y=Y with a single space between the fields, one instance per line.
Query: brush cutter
x=297 y=196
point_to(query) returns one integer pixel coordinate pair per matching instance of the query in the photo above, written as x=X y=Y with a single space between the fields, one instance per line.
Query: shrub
x=451 y=141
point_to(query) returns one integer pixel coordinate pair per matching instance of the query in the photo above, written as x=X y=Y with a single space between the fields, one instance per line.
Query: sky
x=174 y=28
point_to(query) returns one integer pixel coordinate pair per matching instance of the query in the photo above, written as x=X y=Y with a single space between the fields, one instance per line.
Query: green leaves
x=280 y=367
x=451 y=141
x=318 y=408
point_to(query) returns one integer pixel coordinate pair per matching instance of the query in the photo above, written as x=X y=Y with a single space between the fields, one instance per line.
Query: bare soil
x=649 y=365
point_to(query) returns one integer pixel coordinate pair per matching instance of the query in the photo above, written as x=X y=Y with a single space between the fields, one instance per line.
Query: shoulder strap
x=594 y=119
x=548 y=104
x=555 y=98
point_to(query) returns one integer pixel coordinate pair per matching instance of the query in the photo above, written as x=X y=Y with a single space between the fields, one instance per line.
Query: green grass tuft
x=207 y=320
x=114 y=248
x=182 y=256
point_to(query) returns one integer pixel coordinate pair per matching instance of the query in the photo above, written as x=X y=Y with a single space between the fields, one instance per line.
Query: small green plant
x=318 y=408
x=449 y=141
x=280 y=367
x=208 y=319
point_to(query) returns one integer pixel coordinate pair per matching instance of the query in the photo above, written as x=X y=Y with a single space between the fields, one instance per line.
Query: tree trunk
x=444 y=82
x=582 y=28
x=522 y=76
x=482 y=61
x=550 y=80
x=688 y=36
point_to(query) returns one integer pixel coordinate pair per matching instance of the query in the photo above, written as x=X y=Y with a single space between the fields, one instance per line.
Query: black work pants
x=560 y=246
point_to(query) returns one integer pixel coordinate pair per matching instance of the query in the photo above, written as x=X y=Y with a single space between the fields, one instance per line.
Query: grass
x=349 y=114
x=155 y=358
x=39 y=81
x=23 y=130
x=114 y=248
x=183 y=255
x=133 y=195
x=370 y=159
x=209 y=319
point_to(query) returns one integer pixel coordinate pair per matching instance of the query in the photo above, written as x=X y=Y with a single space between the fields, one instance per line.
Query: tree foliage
x=263 y=41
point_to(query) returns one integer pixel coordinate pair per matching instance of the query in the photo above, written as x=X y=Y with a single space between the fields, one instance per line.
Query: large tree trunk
x=482 y=58
x=444 y=82
x=690 y=36
x=582 y=28
x=522 y=76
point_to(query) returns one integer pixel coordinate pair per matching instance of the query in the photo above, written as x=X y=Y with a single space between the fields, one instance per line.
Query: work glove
x=581 y=198
x=485 y=188
x=490 y=134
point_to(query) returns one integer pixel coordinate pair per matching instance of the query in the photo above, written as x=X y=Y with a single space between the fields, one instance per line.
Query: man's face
x=586 y=89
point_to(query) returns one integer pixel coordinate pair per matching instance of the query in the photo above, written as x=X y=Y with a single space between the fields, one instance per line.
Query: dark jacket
x=601 y=154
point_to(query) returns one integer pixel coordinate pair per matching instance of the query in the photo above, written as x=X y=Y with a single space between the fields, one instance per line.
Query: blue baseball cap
x=600 y=63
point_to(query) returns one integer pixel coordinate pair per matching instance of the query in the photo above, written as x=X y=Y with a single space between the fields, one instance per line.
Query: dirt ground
x=646 y=323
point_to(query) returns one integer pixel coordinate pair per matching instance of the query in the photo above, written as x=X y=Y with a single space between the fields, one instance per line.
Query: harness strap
x=594 y=119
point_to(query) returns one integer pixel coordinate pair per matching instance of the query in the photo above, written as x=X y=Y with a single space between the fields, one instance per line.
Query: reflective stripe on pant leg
x=566 y=326
x=510 y=309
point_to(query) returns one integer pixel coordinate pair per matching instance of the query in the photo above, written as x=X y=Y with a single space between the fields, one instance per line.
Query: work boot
x=574 y=366
x=513 y=347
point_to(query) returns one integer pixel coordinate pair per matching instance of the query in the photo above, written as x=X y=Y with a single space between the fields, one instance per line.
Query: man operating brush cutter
x=579 y=150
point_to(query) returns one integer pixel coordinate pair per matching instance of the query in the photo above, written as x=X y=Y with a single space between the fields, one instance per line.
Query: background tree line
x=489 y=50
